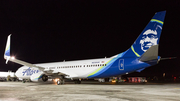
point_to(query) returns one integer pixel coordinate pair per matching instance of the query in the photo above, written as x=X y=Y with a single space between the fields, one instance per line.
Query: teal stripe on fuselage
x=103 y=69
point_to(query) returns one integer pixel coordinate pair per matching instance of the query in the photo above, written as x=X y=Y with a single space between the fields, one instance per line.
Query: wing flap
x=68 y=73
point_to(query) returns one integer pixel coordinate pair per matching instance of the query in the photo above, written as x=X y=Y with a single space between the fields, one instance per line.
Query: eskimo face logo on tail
x=149 y=39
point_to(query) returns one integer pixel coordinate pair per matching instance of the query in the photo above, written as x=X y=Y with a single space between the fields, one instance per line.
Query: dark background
x=52 y=31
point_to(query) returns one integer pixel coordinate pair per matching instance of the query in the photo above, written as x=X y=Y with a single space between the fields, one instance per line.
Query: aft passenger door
x=121 y=64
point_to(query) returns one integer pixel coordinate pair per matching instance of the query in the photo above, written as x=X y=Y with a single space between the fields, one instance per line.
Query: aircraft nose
x=16 y=73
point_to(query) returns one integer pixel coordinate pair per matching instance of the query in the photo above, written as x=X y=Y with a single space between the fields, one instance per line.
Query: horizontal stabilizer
x=150 y=54
x=168 y=58
x=140 y=70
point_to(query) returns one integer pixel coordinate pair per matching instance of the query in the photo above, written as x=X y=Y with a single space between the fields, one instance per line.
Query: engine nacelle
x=39 y=77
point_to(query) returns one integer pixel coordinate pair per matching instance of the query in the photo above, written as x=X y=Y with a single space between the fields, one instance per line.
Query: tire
x=62 y=82
x=58 y=82
x=77 y=82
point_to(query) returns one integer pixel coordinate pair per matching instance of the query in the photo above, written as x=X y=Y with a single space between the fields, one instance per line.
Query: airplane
x=143 y=53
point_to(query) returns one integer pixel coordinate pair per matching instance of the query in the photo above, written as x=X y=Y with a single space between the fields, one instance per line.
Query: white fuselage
x=75 y=69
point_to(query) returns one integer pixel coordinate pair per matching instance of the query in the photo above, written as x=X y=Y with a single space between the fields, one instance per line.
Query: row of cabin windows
x=96 y=65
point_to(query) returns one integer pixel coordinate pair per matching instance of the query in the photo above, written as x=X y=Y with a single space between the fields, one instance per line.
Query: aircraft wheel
x=24 y=81
x=62 y=82
x=77 y=82
x=59 y=82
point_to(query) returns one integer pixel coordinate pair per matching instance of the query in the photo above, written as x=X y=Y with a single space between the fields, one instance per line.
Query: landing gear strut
x=60 y=81
x=24 y=81
x=77 y=81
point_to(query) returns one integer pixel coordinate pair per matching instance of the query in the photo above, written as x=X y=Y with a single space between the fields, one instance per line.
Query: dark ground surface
x=89 y=91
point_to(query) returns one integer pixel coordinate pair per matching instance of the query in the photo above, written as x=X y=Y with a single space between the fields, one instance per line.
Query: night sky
x=53 y=31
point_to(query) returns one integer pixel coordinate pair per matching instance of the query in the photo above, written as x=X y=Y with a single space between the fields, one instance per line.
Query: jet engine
x=44 y=77
x=39 y=77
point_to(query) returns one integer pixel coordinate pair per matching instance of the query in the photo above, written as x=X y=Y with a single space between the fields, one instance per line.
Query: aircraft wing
x=26 y=63
x=13 y=59
x=46 y=71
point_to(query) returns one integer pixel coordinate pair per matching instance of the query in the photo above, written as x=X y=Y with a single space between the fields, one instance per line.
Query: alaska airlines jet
x=143 y=53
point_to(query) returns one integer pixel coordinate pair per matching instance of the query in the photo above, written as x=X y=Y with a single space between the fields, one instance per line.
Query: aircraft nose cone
x=16 y=74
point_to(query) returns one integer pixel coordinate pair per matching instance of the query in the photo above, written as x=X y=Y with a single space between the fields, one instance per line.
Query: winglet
x=13 y=59
x=7 y=49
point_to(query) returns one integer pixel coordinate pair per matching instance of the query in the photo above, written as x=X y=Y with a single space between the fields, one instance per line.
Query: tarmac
x=89 y=91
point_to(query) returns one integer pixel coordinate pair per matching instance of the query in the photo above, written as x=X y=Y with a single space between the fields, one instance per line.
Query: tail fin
x=7 y=49
x=149 y=37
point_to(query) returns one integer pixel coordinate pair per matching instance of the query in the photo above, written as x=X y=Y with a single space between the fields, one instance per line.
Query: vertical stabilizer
x=150 y=36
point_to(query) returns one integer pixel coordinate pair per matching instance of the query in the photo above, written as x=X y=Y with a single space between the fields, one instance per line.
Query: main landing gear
x=60 y=82
x=77 y=81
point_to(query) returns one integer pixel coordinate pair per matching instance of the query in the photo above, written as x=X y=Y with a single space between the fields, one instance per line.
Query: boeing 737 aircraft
x=143 y=53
